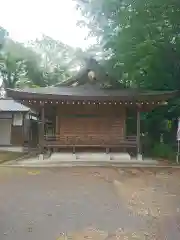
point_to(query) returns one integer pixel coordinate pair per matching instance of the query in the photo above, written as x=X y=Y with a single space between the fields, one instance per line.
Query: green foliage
x=12 y=70
x=142 y=36
x=58 y=60
x=164 y=151
x=143 y=42
x=42 y=63
x=3 y=35
x=55 y=54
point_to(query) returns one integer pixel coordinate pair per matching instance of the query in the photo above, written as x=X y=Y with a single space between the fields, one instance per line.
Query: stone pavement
x=89 y=203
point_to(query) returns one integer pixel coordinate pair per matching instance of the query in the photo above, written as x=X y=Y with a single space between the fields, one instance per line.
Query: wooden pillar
x=41 y=132
x=57 y=125
x=24 y=133
x=139 y=156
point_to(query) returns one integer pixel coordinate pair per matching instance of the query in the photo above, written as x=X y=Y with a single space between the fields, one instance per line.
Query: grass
x=8 y=156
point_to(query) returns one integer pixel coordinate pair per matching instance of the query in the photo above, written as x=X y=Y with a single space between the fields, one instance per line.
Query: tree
x=143 y=41
x=22 y=67
x=3 y=35
x=44 y=62
x=15 y=65
x=12 y=70
x=142 y=37
x=57 y=58
x=60 y=61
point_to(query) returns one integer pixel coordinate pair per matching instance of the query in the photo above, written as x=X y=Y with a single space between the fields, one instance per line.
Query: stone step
x=90 y=157
x=61 y=163
x=120 y=156
x=86 y=164
x=62 y=156
x=93 y=156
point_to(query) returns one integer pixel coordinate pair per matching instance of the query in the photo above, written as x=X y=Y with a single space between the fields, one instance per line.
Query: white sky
x=27 y=19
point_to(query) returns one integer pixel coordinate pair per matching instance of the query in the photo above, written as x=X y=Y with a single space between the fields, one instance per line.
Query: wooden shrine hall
x=86 y=113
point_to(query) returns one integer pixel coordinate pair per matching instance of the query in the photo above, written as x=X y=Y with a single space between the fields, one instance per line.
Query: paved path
x=44 y=203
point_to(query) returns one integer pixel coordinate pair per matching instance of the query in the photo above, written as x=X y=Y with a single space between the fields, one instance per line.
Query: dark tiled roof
x=87 y=91
x=82 y=90
x=9 y=105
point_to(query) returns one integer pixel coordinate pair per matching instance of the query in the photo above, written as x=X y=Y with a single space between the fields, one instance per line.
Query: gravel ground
x=91 y=203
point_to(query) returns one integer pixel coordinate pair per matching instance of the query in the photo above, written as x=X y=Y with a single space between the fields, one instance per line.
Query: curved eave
x=109 y=95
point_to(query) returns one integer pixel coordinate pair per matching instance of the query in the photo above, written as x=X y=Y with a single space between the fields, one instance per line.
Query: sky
x=28 y=19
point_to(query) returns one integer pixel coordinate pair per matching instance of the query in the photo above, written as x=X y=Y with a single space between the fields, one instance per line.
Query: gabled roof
x=9 y=105
x=81 y=78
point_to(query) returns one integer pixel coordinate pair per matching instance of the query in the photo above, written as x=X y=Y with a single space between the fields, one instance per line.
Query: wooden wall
x=17 y=137
x=90 y=124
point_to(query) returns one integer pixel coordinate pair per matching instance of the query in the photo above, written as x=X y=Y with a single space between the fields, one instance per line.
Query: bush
x=165 y=151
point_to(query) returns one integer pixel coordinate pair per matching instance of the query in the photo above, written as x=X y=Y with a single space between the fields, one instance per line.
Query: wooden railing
x=89 y=141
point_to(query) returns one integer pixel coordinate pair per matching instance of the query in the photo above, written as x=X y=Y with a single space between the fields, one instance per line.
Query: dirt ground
x=89 y=203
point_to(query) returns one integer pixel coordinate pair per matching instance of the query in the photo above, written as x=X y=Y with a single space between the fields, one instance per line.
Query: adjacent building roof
x=9 y=105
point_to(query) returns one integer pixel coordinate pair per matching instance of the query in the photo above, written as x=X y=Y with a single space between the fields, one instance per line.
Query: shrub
x=165 y=151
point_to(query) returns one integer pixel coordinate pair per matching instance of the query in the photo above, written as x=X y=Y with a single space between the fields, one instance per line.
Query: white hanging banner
x=178 y=139
x=178 y=130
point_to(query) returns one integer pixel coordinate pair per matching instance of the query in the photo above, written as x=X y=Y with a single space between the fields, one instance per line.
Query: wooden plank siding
x=90 y=124
x=90 y=131
x=17 y=135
